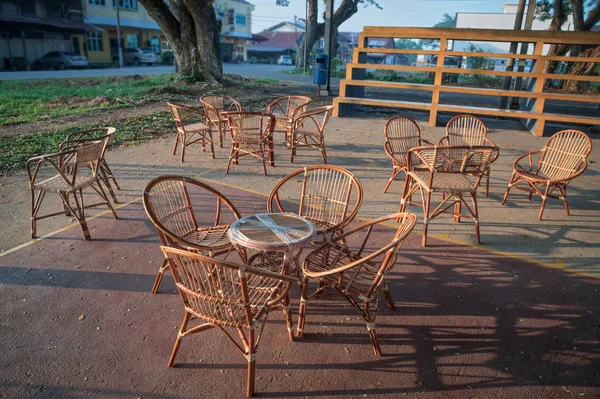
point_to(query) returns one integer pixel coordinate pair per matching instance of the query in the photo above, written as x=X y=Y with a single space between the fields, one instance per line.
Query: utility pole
x=305 y=37
x=119 y=45
x=329 y=46
x=513 y=50
x=524 y=50
x=296 y=36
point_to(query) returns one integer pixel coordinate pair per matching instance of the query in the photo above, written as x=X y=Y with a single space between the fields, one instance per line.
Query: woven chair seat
x=300 y=131
x=58 y=183
x=451 y=182
x=196 y=127
x=540 y=176
x=209 y=236
x=356 y=281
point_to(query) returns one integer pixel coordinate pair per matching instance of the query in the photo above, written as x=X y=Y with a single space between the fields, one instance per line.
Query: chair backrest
x=178 y=205
x=215 y=104
x=314 y=119
x=327 y=195
x=250 y=127
x=289 y=106
x=472 y=160
x=465 y=130
x=224 y=293
x=564 y=153
x=182 y=112
x=86 y=136
x=401 y=134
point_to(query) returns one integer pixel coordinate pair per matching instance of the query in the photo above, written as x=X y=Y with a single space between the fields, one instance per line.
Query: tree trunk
x=310 y=31
x=192 y=30
x=581 y=69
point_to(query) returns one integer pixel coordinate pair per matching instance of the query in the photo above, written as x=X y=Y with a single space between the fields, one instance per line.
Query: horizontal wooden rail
x=353 y=87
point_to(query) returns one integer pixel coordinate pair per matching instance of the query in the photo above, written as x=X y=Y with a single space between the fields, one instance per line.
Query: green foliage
x=197 y=74
x=477 y=62
x=409 y=44
x=447 y=22
x=24 y=101
x=167 y=58
x=15 y=151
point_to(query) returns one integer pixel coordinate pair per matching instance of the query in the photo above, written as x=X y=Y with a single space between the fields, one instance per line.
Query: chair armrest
x=423 y=142
x=444 y=141
x=517 y=165
x=496 y=152
x=55 y=159
x=275 y=278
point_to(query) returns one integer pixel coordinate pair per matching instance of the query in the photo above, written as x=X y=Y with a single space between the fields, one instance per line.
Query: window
x=240 y=19
x=230 y=16
x=126 y=4
x=155 y=44
x=97 y=2
x=94 y=41
x=133 y=41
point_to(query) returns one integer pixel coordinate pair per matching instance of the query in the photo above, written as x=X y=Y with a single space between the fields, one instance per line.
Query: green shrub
x=167 y=58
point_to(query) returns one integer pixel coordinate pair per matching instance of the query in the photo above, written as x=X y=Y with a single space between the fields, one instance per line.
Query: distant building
x=30 y=29
x=374 y=58
x=280 y=39
x=235 y=17
x=138 y=29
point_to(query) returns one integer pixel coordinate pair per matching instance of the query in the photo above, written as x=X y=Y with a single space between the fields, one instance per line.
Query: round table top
x=271 y=231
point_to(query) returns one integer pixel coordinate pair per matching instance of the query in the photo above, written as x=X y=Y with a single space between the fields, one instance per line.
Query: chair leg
x=287 y=311
x=212 y=146
x=183 y=148
x=395 y=173
x=405 y=196
x=457 y=208
x=544 y=199
x=102 y=194
x=251 y=357
x=324 y=152
x=302 y=310
x=110 y=174
x=80 y=215
x=105 y=179
x=34 y=208
x=388 y=299
x=184 y=323
x=159 y=276
x=475 y=215
x=426 y=215
x=512 y=178
x=231 y=155
x=487 y=181
x=292 y=147
x=563 y=196
x=262 y=158
x=176 y=143
x=374 y=341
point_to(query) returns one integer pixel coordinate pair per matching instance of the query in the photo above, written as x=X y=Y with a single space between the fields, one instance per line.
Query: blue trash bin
x=320 y=71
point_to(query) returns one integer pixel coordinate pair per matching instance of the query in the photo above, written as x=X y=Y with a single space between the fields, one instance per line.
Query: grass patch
x=32 y=100
x=15 y=151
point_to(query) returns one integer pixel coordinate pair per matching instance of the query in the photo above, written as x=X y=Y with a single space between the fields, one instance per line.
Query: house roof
x=279 y=25
x=47 y=22
x=276 y=41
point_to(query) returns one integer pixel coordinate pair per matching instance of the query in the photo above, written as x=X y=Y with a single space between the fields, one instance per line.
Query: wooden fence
x=352 y=89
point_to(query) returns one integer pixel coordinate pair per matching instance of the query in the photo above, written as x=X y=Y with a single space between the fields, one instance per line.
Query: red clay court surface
x=469 y=323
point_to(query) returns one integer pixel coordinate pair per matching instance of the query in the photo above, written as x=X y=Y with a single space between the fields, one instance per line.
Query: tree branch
x=161 y=13
x=593 y=18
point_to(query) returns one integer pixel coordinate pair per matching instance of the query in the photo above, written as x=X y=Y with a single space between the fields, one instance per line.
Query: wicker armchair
x=251 y=134
x=308 y=130
x=214 y=106
x=68 y=173
x=191 y=133
x=328 y=196
x=286 y=110
x=77 y=139
x=226 y=296
x=401 y=134
x=188 y=214
x=469 y=130
x=356 y=271
x=434 y=174
x=563 y=158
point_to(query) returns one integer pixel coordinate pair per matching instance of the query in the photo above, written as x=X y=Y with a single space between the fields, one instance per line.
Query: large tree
x=586 y=14
x=315 y=30
x=193 y=32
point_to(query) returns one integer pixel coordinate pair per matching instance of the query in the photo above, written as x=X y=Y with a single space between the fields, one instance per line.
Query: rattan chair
x=434 y=174
x=188 y=214
x=286 y=110
x=401 y=134
x=327 y=195
x=68 y=173
x=251 y=134
x=199 y=131
x=563 y=158
x=226 y=296
x=76 y=139
x=214 y=106
x=353 y=269
x=469 y=130
x=308 y=130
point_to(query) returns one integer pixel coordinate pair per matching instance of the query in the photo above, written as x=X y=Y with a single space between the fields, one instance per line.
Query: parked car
x=136 y=56
x=284 y=60
x=60 y=60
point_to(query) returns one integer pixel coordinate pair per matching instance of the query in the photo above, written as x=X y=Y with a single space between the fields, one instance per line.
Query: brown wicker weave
x=225 y=296
x=191 y=133
x=251 y=134
x=76 y=139
x=197 y=223
x=434 y=174
x=353 y=269
x=308 y=130
x=469 y=130
x=563 y=158
x=286 y=110
x=68 y=173
x=214 y=106
x=328 y=196
x=401 y=134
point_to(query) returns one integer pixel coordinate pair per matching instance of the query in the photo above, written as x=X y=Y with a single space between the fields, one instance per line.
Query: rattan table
x=280 y=233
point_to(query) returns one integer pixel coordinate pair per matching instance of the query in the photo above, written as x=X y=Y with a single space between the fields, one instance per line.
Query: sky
x=416 y=13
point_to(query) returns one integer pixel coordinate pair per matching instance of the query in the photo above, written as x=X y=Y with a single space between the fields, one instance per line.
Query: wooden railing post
x=536 y=126
x=437 y=81
x=358 y=73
